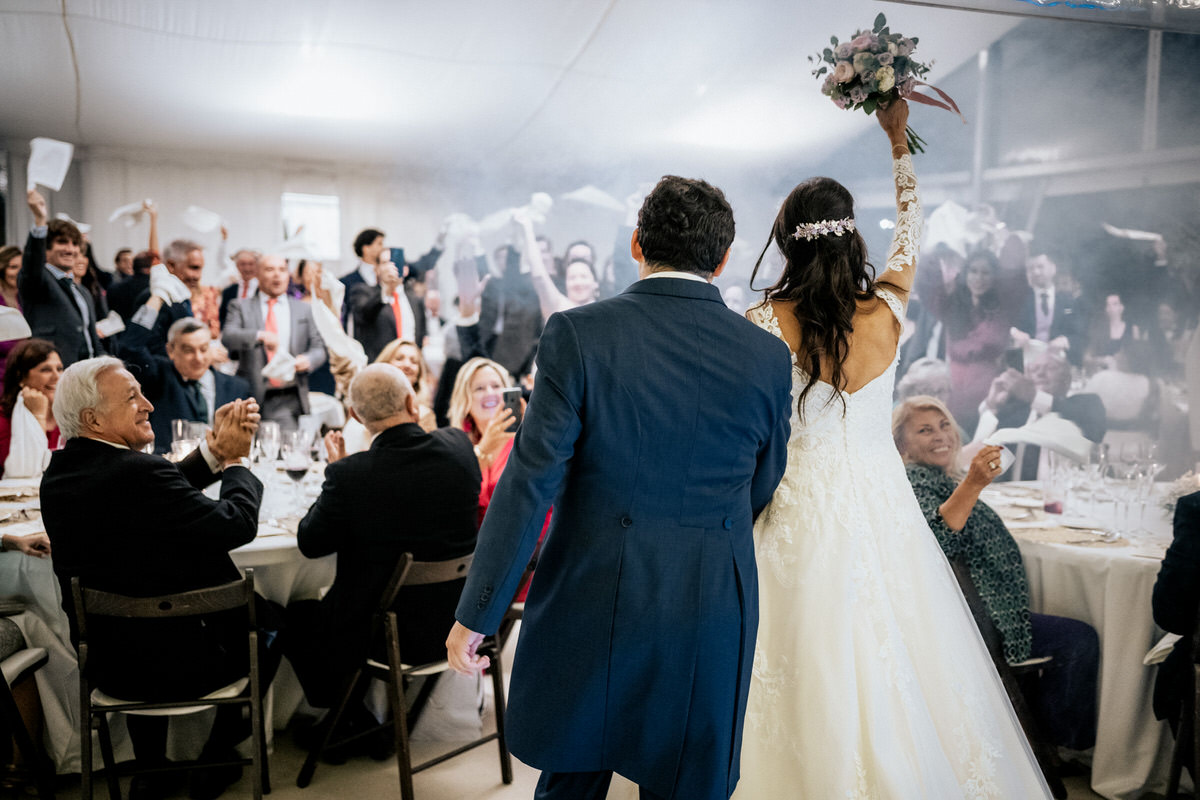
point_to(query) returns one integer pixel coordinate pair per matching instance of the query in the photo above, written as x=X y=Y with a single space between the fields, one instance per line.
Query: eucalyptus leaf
x=880 y=21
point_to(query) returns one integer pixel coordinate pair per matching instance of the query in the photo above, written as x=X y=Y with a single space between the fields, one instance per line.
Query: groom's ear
x=725 y=260
x=635 y=247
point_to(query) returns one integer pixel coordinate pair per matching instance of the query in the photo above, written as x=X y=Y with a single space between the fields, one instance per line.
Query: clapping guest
x=271 y=325
x=172 y=539
x=31 y=373
x=182 y=384
x=927 y=437
x=433 y=480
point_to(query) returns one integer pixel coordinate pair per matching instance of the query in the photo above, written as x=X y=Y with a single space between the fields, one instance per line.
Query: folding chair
x=95 y=705
x=19 y=668
x=397 y=674
x=1189 y=721
x=1011 y=676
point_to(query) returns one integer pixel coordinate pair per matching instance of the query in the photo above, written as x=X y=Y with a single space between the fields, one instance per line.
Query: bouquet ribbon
x=949 y=104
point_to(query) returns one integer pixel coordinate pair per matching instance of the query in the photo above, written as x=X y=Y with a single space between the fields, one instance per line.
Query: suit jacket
x=1084 y=409
x=243 y=322
x=1176 y=598
x=124 y=293
x=168 y=315
x=513 y=302
x=165 y=388
x=657 y=428
x=1069 y=320
x=161 y=535
x=411 y=492
x=50 y=308
x=228 y=295
x=374 y=321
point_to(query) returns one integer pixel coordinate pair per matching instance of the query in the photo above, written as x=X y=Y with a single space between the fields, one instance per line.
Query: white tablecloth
x=1110 y=587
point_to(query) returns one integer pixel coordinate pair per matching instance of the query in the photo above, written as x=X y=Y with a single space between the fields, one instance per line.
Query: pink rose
x=844 y=71
x=862 y=41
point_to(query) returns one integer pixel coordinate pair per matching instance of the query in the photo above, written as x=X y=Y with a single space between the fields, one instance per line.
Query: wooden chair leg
x=498 y=693
x=328 y=724
x=110 y=763
x=1183 y=732
x=395 y=687
x=34 y=755
x=85 y=743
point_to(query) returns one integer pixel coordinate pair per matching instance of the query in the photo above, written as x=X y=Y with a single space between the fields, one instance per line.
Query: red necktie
x=397 y=313
x=246 y=289
x=271 y=326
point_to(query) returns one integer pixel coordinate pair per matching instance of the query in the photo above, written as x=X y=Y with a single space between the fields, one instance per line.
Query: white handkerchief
x=1130 y=233
x=13 y=324
x=595 y=197
x=82 y=226
x=49 y=160
x=1160 y=651
x=130 y=214
x=282 y=368
x=201 y=219
x=110 y=324
x=1051 y=431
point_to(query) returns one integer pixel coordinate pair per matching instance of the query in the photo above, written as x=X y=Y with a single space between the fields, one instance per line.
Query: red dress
x=6 y=439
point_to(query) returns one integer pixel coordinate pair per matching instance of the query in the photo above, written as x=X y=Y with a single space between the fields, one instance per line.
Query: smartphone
x=1014 y=357
x=512 y=400
x=398 y=258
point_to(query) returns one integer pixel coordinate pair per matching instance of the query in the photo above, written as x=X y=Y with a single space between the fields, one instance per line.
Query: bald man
x=410 y=492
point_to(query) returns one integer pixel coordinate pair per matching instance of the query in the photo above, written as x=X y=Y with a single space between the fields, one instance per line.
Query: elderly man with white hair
x=411 y=492
x=129 y=522
x=272 y=332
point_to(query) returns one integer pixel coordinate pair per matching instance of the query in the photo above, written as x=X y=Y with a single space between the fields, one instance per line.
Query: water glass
x=268 y=438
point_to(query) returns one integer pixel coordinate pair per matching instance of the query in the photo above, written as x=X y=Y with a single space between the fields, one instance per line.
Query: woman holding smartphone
x=477 y=406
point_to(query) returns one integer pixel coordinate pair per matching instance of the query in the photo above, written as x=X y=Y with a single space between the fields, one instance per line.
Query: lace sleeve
x=902 y=255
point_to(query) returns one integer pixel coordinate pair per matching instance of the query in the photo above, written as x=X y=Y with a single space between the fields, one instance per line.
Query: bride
x=870 y=679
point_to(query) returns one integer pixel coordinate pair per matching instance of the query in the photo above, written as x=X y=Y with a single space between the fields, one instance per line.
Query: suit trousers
x=580 y=786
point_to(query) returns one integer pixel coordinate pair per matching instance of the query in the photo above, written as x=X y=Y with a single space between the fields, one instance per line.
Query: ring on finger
x=992 y=465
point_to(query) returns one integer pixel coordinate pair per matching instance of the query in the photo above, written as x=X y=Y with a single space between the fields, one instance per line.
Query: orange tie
x=397 y=313
x=271 y=326
x=246 y=289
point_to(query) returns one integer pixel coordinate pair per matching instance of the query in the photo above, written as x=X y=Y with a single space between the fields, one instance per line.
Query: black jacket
x=51 y=310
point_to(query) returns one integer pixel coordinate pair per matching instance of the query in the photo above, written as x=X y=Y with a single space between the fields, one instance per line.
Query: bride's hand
x=894 y=120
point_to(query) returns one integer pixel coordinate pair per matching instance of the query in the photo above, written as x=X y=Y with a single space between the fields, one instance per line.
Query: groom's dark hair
x=686 y=225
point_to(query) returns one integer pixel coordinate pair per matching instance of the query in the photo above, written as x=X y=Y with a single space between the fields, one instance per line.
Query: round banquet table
x=1109 y=586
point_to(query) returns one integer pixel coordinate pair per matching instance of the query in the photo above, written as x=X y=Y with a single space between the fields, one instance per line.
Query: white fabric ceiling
x=544 y=84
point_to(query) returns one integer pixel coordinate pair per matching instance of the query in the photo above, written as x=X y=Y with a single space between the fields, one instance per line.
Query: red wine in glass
x=297 y=474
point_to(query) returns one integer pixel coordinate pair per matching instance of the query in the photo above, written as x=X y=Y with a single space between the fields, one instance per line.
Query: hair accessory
x=832 y=227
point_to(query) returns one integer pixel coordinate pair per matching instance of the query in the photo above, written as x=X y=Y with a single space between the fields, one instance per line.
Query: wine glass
x=297 y=458
x=268 y=437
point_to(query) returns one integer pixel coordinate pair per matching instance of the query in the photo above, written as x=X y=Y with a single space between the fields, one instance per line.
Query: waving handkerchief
x=130 y=214
x=337 y=342
x=595 y=197
x=201 y=219
x=29 y=453
x=1051 y=431
x=281 y=368
x=49 y=160
x=166 y=286
x=13 y=324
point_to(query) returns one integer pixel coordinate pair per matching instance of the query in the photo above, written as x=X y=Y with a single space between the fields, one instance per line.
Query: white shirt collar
x=367 y=271
x=670 y=273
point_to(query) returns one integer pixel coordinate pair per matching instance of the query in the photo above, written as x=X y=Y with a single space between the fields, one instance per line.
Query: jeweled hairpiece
x=826 y=227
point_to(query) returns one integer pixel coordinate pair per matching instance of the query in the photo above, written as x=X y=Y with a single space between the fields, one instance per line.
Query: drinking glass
x=268 y=437
x=296 y=460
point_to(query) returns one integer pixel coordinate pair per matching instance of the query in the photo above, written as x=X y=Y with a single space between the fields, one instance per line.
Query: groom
x=658 y=429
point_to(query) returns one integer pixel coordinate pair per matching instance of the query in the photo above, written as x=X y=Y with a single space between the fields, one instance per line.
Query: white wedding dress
x=870 y=678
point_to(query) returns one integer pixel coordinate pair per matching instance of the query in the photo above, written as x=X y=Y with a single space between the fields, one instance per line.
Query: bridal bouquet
x=874 y=68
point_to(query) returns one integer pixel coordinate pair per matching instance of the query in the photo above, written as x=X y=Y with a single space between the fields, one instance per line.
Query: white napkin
x=282 y=368
x=110 y=324
x=13 y=324
x=29 y=453
x=592 y=196
x=201 y=219
x=166 y=286
x=49 y=160
x=82 y=226
x=1050 y=431
x=1160 y=651
x=130 y=214
x=337 y=342
x=1130 y=233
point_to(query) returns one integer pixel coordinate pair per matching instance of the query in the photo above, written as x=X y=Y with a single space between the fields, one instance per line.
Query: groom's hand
x=461 y=645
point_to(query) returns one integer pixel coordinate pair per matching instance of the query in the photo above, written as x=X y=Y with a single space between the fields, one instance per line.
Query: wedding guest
x=976 y=307
x=580 y=281
x=36 y=545
x=182 y=384
x=1169 y=338
x=477 y=407
x=270 y=325
x=172 y=539
x=434 y=478
x=246 y=263
x=123 y=263
x=124 y=293
x=309 y=275
x=31 y=372
x=1130 y=395
x=926 y=376
x=407 y=357
x=1048 y=315
x=375 y=308
x=10 y=267
x=1176 y=597
x=509 y=321
x=927 y=437
x=56 y=308
x=1110 y=333
x=185 y=260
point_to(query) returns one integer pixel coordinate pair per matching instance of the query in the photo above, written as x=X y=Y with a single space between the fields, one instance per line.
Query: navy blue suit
x=657 y=428
x=164 y=387
x=1176 y=596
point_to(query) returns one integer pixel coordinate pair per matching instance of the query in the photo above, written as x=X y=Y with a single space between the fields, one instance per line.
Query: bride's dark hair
x=824 y=278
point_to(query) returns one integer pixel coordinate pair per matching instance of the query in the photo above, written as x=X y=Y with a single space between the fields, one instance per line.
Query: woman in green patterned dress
x=929 y=441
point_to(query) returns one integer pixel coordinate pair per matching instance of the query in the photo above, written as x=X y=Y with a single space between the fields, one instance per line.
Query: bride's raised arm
x=906 y=241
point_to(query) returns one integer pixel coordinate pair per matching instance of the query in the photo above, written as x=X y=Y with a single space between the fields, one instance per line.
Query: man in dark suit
x=411 y=492
x=1016 y=399
x=124 y=293
x=57 y=308
x=1176 y=598
x=183 y=384
x=658 y=429
x=246 y=262
x=267 y=326
x=171 y=539
x=1050 y=315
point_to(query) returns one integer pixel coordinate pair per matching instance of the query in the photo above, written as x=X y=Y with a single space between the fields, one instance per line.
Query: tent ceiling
x=560 y=84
